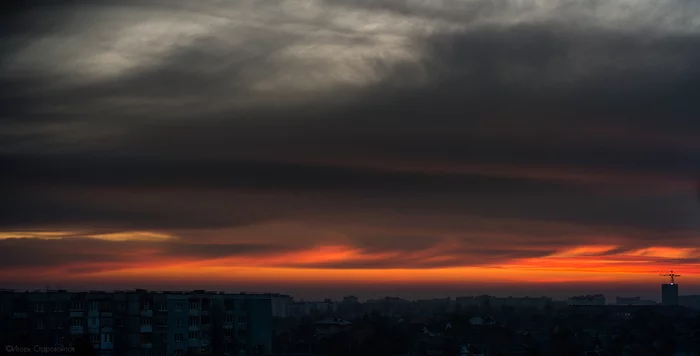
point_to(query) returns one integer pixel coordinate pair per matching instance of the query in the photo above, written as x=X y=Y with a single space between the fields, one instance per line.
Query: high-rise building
x=669 y=294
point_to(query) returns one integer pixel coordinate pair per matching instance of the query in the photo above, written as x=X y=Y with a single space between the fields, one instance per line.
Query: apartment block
x=140 y=322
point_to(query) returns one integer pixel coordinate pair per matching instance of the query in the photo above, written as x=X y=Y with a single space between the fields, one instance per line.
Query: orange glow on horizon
x=590 y=263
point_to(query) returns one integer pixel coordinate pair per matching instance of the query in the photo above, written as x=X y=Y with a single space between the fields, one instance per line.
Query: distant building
x=330 y=326
x=350 y=300
x=538 y=303
x=633 y=301
x=669 y=294
x=689 y=301
x=597 y=299
x=303 y=308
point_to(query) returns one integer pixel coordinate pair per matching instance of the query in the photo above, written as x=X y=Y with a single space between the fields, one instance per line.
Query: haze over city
x=322 y=147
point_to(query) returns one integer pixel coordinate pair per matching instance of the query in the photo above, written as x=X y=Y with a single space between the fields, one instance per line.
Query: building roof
x=333 y=321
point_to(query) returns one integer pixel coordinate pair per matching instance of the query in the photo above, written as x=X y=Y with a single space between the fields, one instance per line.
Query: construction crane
x=672 y=275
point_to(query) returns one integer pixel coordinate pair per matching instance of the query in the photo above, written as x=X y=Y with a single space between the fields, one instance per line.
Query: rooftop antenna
x=672 y=275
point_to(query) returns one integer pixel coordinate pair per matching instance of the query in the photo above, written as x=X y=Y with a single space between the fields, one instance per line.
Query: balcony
x=194 y=328
x=147 y=312
x=76 y=330
x=106 y=345
x=19 y=315
x=146 y=328
x=77 y=313
x=93 y=312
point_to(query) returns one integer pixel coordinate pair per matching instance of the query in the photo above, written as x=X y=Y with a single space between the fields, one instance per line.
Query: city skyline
x=478 y=147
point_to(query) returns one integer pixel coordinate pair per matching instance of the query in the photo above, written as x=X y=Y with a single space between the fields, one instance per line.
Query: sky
x=327 y=147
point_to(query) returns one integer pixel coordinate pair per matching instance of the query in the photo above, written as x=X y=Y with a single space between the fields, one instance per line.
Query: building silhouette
x=139 y=322
x=669 y=294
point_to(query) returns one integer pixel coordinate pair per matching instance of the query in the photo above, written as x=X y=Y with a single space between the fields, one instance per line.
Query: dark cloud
x=200 y=250
x=168 y=115
x=22 y=253
x=163 y=194
x=37 y=253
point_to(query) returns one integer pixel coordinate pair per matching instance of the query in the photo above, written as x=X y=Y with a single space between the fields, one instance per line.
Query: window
x=146 y=306
x=108 y=337
x=241 y=333
x=121 y=306
x=178 y=337
x=146 y=352
x=145 y=320
x=178 y=306
x=58 y=307
x=59 y=340
x=179 y=322
x=147 y=338
x=163 y=352
x=194 y=335
x=94 y=338
x=178 y=353
x=194 y=321
x=242 y=347
x=40 y=324
x=58 y=323
x=77 y=322
x=228 y=332
x=93 y=322
x=164 y=338
x=40 y=307
x=94 y=306
x=228 y=318
x=106 y=322
x=119 y=322
x=163 y=307
x=194 y=305
x=163 y=322
x=77 y=306
x=242 y=319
